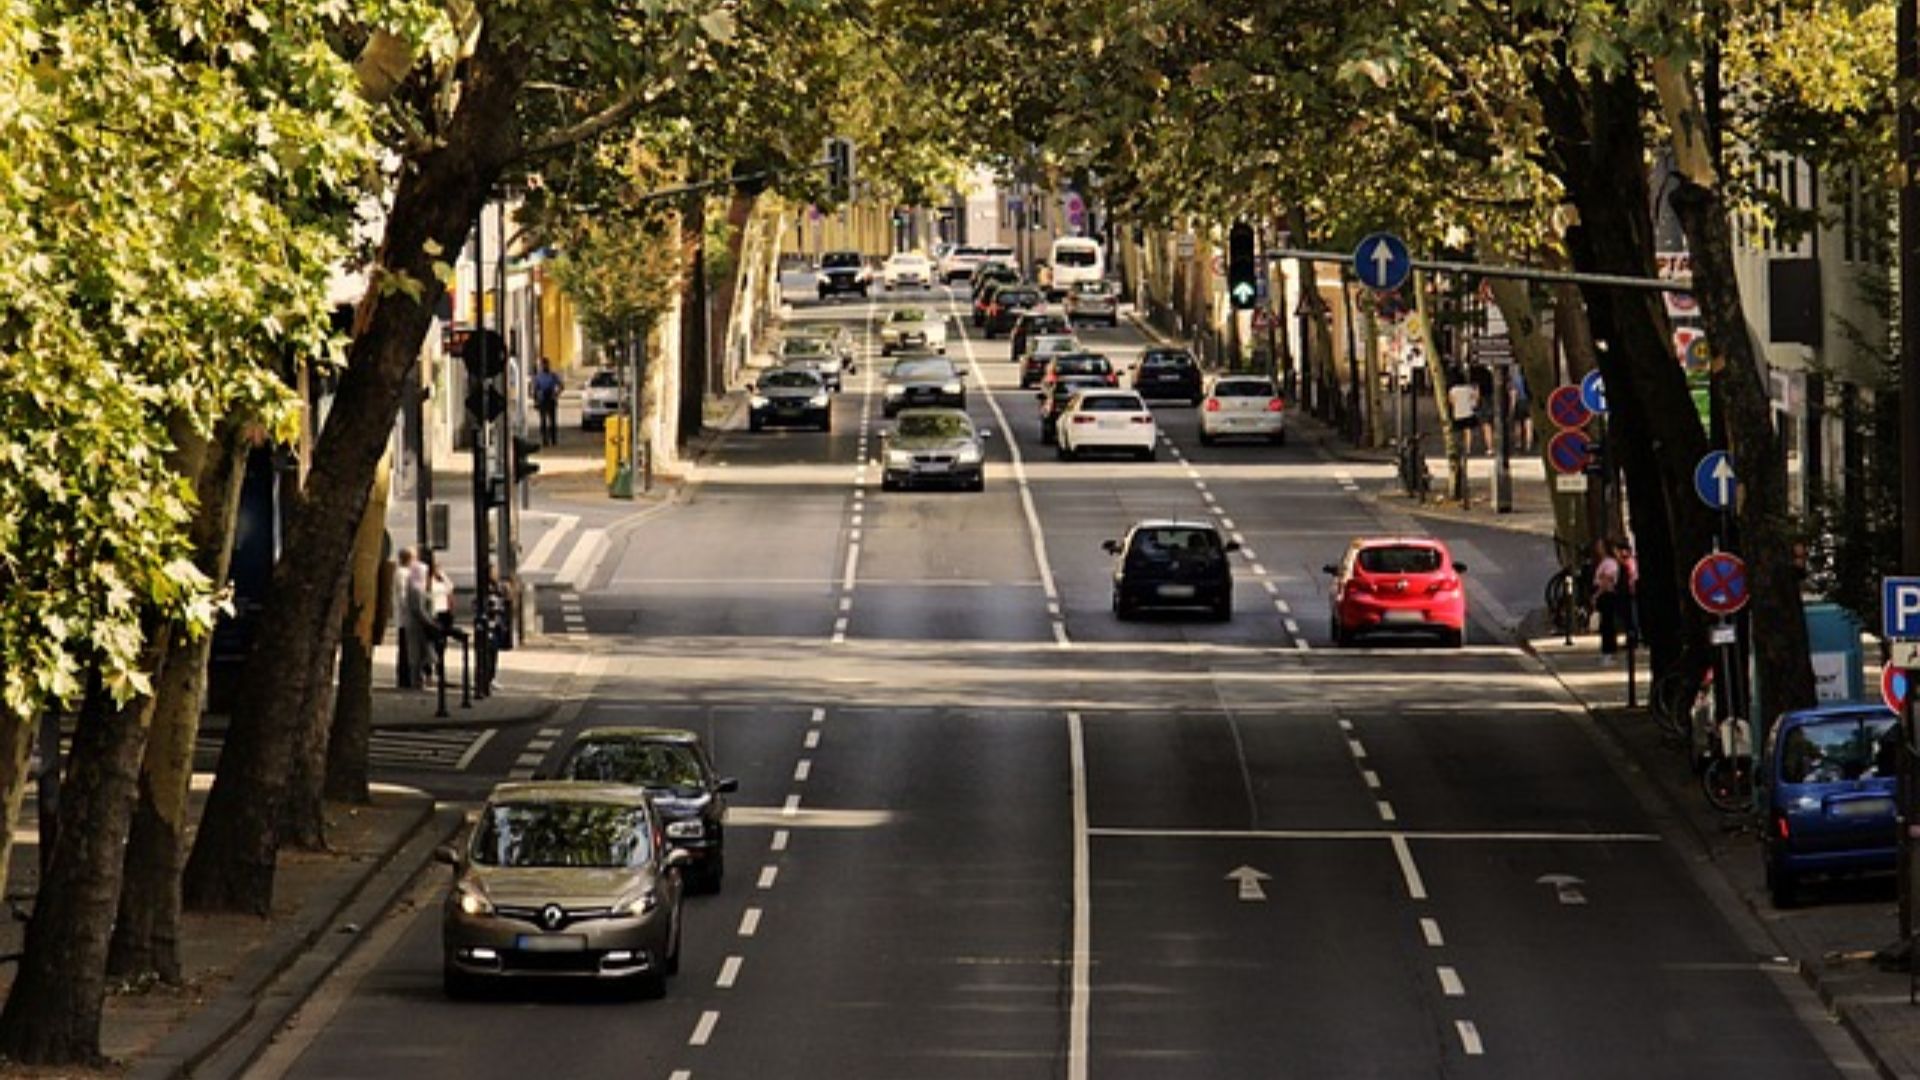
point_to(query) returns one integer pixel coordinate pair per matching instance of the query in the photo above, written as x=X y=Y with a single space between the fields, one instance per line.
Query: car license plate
x=550 y=943
x=1176 y=592
x=1861 y=808
x=1168 y=377
x=933 y=466
x=1402 y=617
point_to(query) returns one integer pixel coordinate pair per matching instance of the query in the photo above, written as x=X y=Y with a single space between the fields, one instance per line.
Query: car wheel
x=670 y=964
x=1223 y=609
x=1280 y=438
x=1151 y=453
x=1206 y=439
x=755 y=424
x=1453 y=639
x=459 y=985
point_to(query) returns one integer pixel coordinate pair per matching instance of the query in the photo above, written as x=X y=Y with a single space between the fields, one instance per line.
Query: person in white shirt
x=1463 y=402
x=407 y=655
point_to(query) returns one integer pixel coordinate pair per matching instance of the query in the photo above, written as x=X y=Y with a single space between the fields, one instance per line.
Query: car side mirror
x=678 y=859
x=1459 y=568
x=1232 y=546
x=1331 y=570
x=448 y=855
x=1111 y=547
x=727 y=785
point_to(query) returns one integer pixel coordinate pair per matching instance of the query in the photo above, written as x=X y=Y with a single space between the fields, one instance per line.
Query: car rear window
x=840 y=260
x=1011 y=297
x=604 y=378
x=1112 y=403
x=1243 y=388
x=922 y=369
x=1159 y=544
x=1166 y=360
x=1844 y=748
x=1076 y=257
x=1400 y=559
x=1081 y=365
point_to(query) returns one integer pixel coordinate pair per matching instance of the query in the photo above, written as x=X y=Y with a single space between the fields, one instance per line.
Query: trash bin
x=1833 y=640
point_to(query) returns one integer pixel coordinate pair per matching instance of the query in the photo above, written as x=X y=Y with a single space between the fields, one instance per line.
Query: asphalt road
x=986 y=830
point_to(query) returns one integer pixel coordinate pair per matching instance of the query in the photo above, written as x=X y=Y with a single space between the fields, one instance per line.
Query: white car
x=913 y=330
x=600 y=399
x=1242 y=405
x=906 y=268
x=960 y=263
x=1107 y=420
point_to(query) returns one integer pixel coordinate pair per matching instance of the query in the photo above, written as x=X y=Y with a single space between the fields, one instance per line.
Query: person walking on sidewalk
x=1607 y=596
x=1484 y=404
x=1522 y=409
x=546 y=398
x=1463 y=405
x=406 y=657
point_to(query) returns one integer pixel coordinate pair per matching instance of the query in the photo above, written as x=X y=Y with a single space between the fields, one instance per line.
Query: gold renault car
x=564 y=880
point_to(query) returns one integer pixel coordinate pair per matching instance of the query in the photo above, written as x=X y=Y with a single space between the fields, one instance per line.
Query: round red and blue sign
x=1720 y=583
x=1566 y=408
x=1894 y=683
x=1570 y=452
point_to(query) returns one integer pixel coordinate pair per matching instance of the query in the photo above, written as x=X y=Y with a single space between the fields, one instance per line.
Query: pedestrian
x=1522 y=405
x=1463 y=402
x=406 y=659
x=1627 y=593
x=1484 y=403
x=420 y=612
x=1607 y=596
x=546 y=399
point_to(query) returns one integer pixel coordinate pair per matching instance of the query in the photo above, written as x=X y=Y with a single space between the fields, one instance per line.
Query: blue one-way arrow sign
x=1381 y=261
x=1900 y=608
x=1713 y=480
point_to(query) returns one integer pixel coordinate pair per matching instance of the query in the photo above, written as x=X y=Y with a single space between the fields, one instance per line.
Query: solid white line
x=1371 y=778
x=802 y=770
x=537 y=558
x=1469 y=1038
x=703 y=1030
x=1018 y=461
x=819 y=716
x=780 y=838
x=1430 y=930
x=1416 y=888
x=791 y=807
x=729 y=973
x=473 y=749
x=1080 y=981
x=813 y=740
x=1379 y=834
x=1450 y=983
x=583 y=559
x=767 y=876
x=750 y=922
x=1386 y=810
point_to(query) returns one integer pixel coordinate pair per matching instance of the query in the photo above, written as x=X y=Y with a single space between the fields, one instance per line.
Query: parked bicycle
x=1569 y=592
x=1728 y=775
x=1682 y=706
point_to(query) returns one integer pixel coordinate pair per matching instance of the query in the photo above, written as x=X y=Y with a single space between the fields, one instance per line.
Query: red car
x=1398 y=584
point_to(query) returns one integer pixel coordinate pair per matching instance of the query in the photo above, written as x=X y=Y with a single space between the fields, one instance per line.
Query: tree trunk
x=303 y=813
x=232 y=865
x=52 y=1015
x=693 y=321
x=367 y=606
x=1533 y=352
x=16 y=749
x=146 y=932
x=1596 y=147
x=726 y=291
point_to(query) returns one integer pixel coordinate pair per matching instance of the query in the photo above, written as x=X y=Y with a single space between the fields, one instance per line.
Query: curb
x=225 y=1036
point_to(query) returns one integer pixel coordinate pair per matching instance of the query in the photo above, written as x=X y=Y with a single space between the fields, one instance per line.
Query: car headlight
x=757 y=401
x=822 y=279
x=901 y=458
x=968 y=455
x=641 y=903
x=473 y=901
x=820 y=400
x=950 y=388
x=690 y=829
x=896 y=391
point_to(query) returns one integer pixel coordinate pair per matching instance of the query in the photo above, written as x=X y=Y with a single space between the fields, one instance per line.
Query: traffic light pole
x=504 y=435
x=482 y=558
x=1907 y=60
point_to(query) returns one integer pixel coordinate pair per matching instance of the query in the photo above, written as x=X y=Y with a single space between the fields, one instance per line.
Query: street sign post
x=1719 y=583
x=1714 y=480
x=1566 y=409
x=1569 y=452
x=1900 y=608
x=1894 y=681
x=1593 y=393
x=1381 y=261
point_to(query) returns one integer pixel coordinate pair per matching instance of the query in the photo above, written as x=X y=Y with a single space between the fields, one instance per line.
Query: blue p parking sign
x=1900 y=608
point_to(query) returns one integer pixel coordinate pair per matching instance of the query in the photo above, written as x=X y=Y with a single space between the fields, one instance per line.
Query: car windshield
x=1092 y=288
x=921 y=369
x=1081 y=365
x=934 y=426
x=840 y=260
x=1243 y=388
x=562 y=834
x=1164 y=544
x=635 y=761
x=802 y=346
x=912 y=315
x=789 y=379
x=1400 y=559
x=1076 y=256
x=1166 y=360
x=1844 y=748
x=1112 y=403
x=604 y=378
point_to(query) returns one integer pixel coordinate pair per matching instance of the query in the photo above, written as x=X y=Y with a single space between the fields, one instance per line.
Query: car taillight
x=1274 y=405
x=1358 y=585
x=1786 y=831
x=1213 y=404
x=1113 y=378
x=1083 y=419
x=1143 y=418
x=1444 y=585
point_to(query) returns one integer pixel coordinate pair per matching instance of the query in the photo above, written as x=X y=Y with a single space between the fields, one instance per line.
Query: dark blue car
x=1830 y=773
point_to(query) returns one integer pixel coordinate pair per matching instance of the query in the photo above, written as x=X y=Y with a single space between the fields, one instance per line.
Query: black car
x=1032 y=324
x=921 y=382
x=843 y=272
x=1172 y=564
x=790 y=395
x=1006 y=307
x=1168 y=373
x=1079 y=363
x=1054 y=401
x=673 y=766
x=993 y=273
x=984 y=292
x=929 y=447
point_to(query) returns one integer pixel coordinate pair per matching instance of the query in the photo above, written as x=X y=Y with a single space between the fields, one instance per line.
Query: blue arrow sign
x=1900 y=608
x=1714 y=481
x=1593 y=392
x=1381 y=261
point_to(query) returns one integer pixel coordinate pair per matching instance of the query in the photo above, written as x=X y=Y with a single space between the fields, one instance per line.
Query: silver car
x=563 y=880
x=913 y=330
x=1094 y=300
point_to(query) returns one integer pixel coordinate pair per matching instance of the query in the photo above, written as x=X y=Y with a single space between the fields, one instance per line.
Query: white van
x=1075 y=259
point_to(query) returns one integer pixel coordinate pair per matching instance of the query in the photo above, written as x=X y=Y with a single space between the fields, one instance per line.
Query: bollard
x=466 y=682
x=1633 y=693
x=440 y=672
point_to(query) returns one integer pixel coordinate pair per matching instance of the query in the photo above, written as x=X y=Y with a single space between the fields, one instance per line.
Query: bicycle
x=1728 y=776
x=1415 y=479
x=1569 y=598
x=1683 y=707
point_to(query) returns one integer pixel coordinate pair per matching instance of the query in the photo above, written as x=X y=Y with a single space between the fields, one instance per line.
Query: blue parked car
x=1830 y=773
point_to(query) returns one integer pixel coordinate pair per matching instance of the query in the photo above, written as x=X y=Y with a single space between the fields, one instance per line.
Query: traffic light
x=1243 y=268
x=485 y=404
x=839 y=170
x=484 y=347
x=523 y=464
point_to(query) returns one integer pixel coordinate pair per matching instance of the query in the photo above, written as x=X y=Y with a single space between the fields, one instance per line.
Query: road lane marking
x=537 y=558
x=1469 y=1038
x=819 y=715
x=1080 y=980
x=1353 y=747
x=780 y=838
x=1416 y=888
x=584 y=559
x=1371 y=778
x=812 y=741
x=681 y=1074
x=750 y=922
x=530 y=758
x=840 y=631
x=853 y=566
x=1228 y=522
x=1259 y=571
x=1461 y=836
x=1430 y=930
x=473 y=749
x=802 y=770
x=855 y=536
x=846 y=603
x=703 y=1030
x=1386 y=810
x=1284 y=608
x=791 y=807
x=540 y=744
x=767 y=876
x=1271 y=588
x=729 y=973
x=1450 y=983
x=1292 y=626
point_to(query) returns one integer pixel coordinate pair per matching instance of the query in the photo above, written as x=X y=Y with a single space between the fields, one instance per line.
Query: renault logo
x=552 y=916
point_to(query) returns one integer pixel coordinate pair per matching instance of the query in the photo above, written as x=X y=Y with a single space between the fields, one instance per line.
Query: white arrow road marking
x=1566 y=887
x=1249 y=880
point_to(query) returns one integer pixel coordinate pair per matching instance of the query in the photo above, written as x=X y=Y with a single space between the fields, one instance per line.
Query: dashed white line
x=840 y=631
x=813 y=740
x=750 y=922
x=1469 y=1038
x=1386 y=810
x=1430 y=930
x=530 y=758
x=1345 y=724
x=703 y=1030
x=767 y=876
x=1271 y=588
x=1228 y=522
x=1450 y=983
x=780 y=838
x=1416 y=888
x=1259 y=570
x=1354 y=748
x=1370 y=778
x=846 y=603
x=540 y=744
x=853 y=566
x=1292 y=626
x=819 y=715
x=681 y=1074
x=802 y=770
x=1283 y=606
x=729 y=973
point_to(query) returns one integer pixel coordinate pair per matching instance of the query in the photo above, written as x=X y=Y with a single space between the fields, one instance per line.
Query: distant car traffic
x=1094 y=301
x=933 y=447
x=813 y=353
x=1831 y=776
x=1099 y=420
x=842 y=272
x=906 y=269
x=1060 y=364
x=1398 y=585
x=599 y=399
x=988 y=281
x=1076 y=259
x=1042 y=348
x=673 y=766
x=922 y=382
x=836 y=336
x=563 y=880
x=1172 y=564
x=1054 y=401
x=1008 y=304
x=913 y=329
x=1242 y=406
x=1168 y=373
x=791 y=396
x=1033 y=323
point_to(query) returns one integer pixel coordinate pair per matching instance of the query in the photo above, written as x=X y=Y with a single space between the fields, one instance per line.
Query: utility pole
x=482 y=558
x=1907 y=46
x=504 y=432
